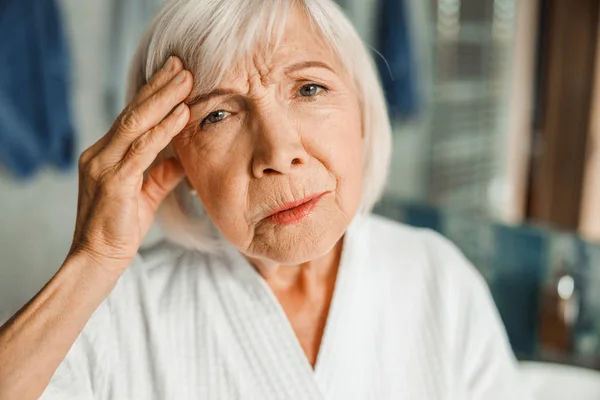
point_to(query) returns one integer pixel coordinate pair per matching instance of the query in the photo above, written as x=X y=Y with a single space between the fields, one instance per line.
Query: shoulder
x=159 y=276
x=388 y=232
x=390 y=239
x=165 y=255
x=158 y=263
x=404 y=252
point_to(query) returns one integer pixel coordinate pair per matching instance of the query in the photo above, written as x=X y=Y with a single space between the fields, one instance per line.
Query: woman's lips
x=295 y=212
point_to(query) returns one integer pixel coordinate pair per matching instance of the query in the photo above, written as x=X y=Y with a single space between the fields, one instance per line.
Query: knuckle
x=138 y=146
x=146 y=141
x=95 y=169
x=130 y=121
x=119 y=120
x=84 y=159
x=128 y=108
x=154 y=83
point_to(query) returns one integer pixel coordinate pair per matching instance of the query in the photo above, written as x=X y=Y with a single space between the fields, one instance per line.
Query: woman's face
x=279 y=132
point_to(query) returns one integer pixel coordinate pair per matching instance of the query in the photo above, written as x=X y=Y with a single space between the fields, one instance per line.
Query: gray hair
x=210 y=36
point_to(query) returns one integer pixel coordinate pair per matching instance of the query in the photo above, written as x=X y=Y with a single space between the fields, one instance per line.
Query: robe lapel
x=269 y=346
x=271 y=355
x=344 y=362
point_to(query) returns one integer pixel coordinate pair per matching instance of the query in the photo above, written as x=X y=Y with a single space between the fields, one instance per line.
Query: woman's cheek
x=331 y=134
x=222 y=175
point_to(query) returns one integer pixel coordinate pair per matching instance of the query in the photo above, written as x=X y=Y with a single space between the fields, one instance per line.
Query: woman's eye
x=310 y=90
x=214 y=117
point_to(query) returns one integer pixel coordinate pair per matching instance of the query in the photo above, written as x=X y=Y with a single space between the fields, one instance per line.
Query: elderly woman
x=261 y=130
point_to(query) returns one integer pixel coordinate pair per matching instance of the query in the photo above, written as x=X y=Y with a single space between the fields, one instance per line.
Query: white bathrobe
x=410 y=318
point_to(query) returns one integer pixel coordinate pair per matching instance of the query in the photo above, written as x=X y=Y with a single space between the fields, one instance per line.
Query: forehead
x=300 y=41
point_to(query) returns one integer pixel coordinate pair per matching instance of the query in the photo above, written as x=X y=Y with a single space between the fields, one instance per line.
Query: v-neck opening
x=343 y=283
x=341 y=275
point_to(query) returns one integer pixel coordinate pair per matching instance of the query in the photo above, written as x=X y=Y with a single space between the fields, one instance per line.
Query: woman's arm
x=115 y=210
x=36 y=339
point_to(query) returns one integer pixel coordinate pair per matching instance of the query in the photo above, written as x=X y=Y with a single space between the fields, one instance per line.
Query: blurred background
x=496 y=113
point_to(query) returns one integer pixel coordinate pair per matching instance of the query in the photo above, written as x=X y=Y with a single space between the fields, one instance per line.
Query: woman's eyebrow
x=288 y=70
x=307 y=64
x=207 y=96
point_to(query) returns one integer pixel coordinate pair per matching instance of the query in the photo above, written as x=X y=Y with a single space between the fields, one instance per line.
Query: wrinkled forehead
x=217 y=42
x=292 y=54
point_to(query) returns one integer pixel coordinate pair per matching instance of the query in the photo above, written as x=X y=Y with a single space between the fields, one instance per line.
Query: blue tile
x=519 y=261
x=475 y=238
x=423 y=216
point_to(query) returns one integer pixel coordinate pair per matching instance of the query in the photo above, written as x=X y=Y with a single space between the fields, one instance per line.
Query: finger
x=150 y=113
x=144 y=149
x=162 y=180
x=92 y=151
x=172 y=67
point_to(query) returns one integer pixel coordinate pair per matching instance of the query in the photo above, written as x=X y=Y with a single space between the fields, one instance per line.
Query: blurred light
x=566 y=286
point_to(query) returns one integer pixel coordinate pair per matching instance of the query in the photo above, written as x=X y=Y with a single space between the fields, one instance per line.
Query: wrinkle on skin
x=275 y=147
x=260 y=100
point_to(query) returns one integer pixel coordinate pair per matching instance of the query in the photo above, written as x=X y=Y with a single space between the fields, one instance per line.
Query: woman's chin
x=294 y=244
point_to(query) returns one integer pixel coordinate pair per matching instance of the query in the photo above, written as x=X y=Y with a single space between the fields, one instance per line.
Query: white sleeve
x=82 y=375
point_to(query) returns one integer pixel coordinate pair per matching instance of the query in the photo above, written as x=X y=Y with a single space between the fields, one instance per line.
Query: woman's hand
x=115 y=210
x=116 y=205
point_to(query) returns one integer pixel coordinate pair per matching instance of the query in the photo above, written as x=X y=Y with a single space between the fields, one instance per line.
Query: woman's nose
x=278 y=149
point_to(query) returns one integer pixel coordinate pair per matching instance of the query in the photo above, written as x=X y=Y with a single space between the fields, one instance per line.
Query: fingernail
x=169 y=64
x=179 y=109
x=180 y=77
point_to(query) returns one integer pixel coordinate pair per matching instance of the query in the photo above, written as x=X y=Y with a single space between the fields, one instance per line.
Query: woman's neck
x=304 y=292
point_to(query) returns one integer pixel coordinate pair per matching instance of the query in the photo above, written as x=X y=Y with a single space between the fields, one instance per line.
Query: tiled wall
x=523 y=266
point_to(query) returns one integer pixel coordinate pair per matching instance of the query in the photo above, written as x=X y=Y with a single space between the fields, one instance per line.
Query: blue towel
x=35 y=119
x=398 y=75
